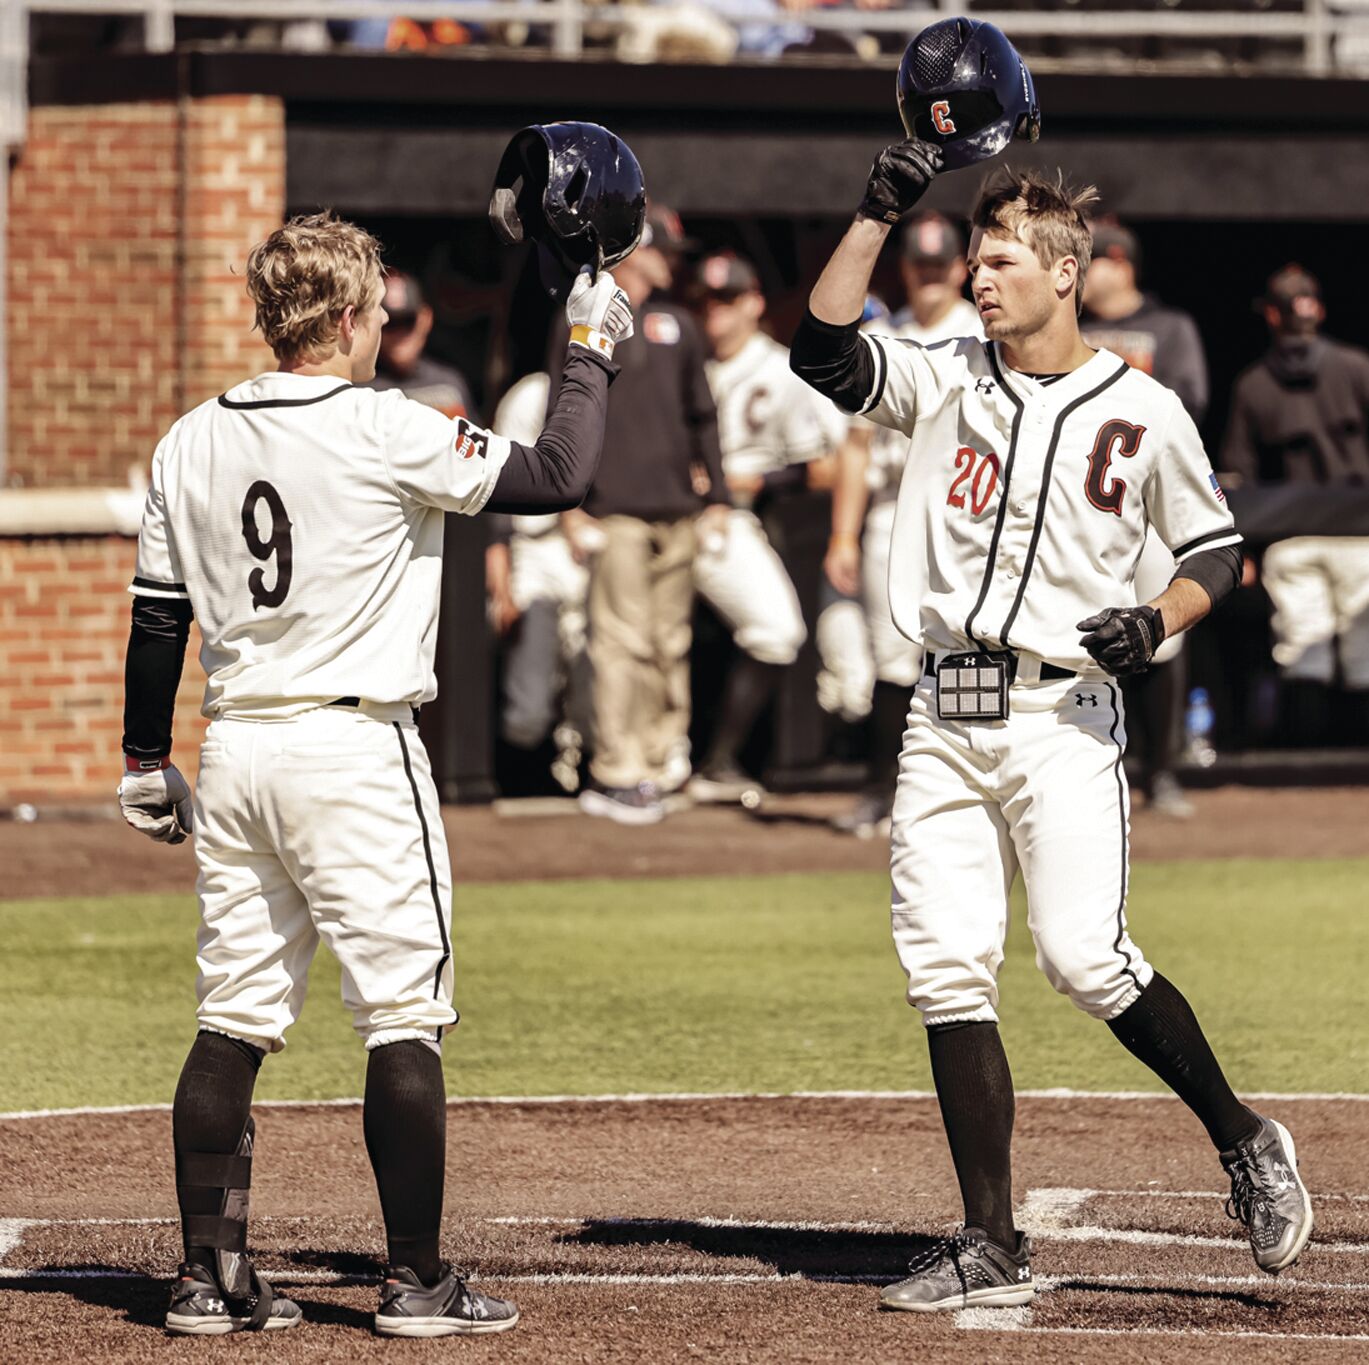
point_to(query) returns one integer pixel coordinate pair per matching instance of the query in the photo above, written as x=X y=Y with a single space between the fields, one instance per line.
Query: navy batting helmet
x=962 y=86
x=573 y=188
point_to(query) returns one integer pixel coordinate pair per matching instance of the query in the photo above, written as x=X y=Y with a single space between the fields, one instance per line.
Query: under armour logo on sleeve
x=983 y=384
x=1086 y=698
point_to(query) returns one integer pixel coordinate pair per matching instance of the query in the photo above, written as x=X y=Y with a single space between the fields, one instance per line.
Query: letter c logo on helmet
x=971 y=63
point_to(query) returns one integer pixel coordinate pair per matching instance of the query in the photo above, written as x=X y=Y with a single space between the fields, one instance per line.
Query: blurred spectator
x=770 y=431
x=637 y=531
x=537 y=598
x=933 y=270
x=1299 y=415
x=402 y=363
x=1163 y=342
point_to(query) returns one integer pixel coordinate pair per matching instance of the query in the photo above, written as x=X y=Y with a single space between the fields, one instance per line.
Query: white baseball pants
x=325 y=826
x=1320 y=589
x=1042 y=791
x=745 y=582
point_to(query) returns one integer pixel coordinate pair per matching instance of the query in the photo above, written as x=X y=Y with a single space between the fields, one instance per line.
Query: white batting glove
x=598 y=313
x=158 y=804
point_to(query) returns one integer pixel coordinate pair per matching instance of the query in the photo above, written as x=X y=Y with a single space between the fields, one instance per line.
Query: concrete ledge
x=70 y=511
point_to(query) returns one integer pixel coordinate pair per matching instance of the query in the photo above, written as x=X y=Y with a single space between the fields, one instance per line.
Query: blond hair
x=304 y=276
x=1048 y=215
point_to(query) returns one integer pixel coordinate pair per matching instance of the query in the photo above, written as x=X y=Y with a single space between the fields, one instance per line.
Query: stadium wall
x=127 y=223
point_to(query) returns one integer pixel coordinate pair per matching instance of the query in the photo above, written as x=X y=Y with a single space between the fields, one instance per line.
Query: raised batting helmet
x=962 y=86
x=573 y=188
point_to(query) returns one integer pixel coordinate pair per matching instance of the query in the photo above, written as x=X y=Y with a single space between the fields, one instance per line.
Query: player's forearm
x=152 y=674
x=1182 y=605
x=556 y=473
x=851 y=493
x=839 y=295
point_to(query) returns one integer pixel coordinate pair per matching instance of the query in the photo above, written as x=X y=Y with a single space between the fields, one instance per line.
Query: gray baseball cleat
x=966 y=1270
x=200 y=1308
x=1268 y=1197
x=450 y=1308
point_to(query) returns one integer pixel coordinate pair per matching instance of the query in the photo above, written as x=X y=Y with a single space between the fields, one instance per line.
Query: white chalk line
x=989 y=1325
x=698 y=1096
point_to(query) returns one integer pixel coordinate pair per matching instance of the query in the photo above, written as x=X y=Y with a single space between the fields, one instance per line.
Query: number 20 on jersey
x=976 y=479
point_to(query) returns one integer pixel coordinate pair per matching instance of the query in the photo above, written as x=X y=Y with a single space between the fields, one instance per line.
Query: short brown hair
x=302 y=278
x=1048 y=214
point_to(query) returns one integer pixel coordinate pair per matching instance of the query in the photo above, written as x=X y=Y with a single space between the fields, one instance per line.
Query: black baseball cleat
x=1268 y=1197
x=965 y=1270
x=200 y=1308
x=450 y=1308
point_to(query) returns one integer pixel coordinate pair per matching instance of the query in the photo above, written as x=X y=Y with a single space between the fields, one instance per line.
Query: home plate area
x=668 y=1229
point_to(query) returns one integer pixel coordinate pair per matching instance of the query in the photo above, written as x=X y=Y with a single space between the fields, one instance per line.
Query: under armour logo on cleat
x=1090 y=697
x=983 y=385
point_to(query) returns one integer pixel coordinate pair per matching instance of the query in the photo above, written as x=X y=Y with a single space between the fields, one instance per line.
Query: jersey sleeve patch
x=471 y=442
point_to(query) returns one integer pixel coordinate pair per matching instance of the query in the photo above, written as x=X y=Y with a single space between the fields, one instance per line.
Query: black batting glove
x=899 y=178
x=1123 y=639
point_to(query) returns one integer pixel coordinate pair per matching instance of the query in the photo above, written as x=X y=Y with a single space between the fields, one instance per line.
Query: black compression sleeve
x=152 y=673
x=1217 y=572
x=834 y=361
x=555 y=474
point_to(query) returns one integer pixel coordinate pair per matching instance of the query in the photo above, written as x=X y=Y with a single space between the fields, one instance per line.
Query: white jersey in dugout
x=1024 y=505
x=767 y=416
x=302 y=517
x=889 y=449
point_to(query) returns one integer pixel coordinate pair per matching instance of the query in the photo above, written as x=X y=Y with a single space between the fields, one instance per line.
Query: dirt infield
x=731 y=1229
x=57 y=857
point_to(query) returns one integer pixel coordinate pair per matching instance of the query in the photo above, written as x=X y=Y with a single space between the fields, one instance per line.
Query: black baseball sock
x=213 y=1104
x=1161 y=1030
x=888 y=719
x=974 y=1089
x=750 y=685
x=405 y=1119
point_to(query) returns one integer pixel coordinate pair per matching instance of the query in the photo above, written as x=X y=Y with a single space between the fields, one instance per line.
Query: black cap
x=1115 y=243
x=1294 y=292
x=664 y=230
x=403 y=298
x=931 y=237
x=724 y=274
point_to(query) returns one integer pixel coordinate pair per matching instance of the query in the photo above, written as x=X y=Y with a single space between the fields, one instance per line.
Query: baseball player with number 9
x=1036 y=466
x=299 y=517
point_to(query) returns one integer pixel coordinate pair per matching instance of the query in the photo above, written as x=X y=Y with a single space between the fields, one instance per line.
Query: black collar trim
x=226 y=402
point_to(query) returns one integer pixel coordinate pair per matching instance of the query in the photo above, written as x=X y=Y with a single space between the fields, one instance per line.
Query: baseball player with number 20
x=1036 y=466
x=299 y=517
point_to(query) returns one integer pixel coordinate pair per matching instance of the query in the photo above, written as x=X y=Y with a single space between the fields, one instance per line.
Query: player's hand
x=842 y=564
x=583 y=534
x=158 y=804
x=712 y=528
x=1123 y=639
x=899 y=178
x=504 y=611
x=598 y=312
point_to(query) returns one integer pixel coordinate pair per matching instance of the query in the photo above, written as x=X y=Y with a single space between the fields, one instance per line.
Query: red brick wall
x=64 y=613
x=126 y=222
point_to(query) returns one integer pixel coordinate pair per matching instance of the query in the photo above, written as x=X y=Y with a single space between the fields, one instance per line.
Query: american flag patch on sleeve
x=1217 y=488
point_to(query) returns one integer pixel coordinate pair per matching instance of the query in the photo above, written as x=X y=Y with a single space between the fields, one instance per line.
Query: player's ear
x=1066 y=275
x=347 y=326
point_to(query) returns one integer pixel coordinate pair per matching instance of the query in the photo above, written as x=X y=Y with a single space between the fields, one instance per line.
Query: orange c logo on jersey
x=941 y=117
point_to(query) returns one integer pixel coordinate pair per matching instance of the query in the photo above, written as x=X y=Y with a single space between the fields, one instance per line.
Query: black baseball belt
x=356 y=701
x=1048 y=671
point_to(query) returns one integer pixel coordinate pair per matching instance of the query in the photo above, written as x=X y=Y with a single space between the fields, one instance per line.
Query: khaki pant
x=641 y=600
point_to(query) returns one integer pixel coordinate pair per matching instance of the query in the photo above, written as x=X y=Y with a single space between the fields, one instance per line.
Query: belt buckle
x=973 y=686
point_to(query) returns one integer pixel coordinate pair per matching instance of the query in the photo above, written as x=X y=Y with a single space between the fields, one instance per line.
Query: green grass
x=763 y=983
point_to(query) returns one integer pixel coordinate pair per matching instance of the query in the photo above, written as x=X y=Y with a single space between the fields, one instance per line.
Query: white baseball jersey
x=520 y=416
x=302 y=517
x=767 y=415
x=1024 y=504
x=889 y=449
